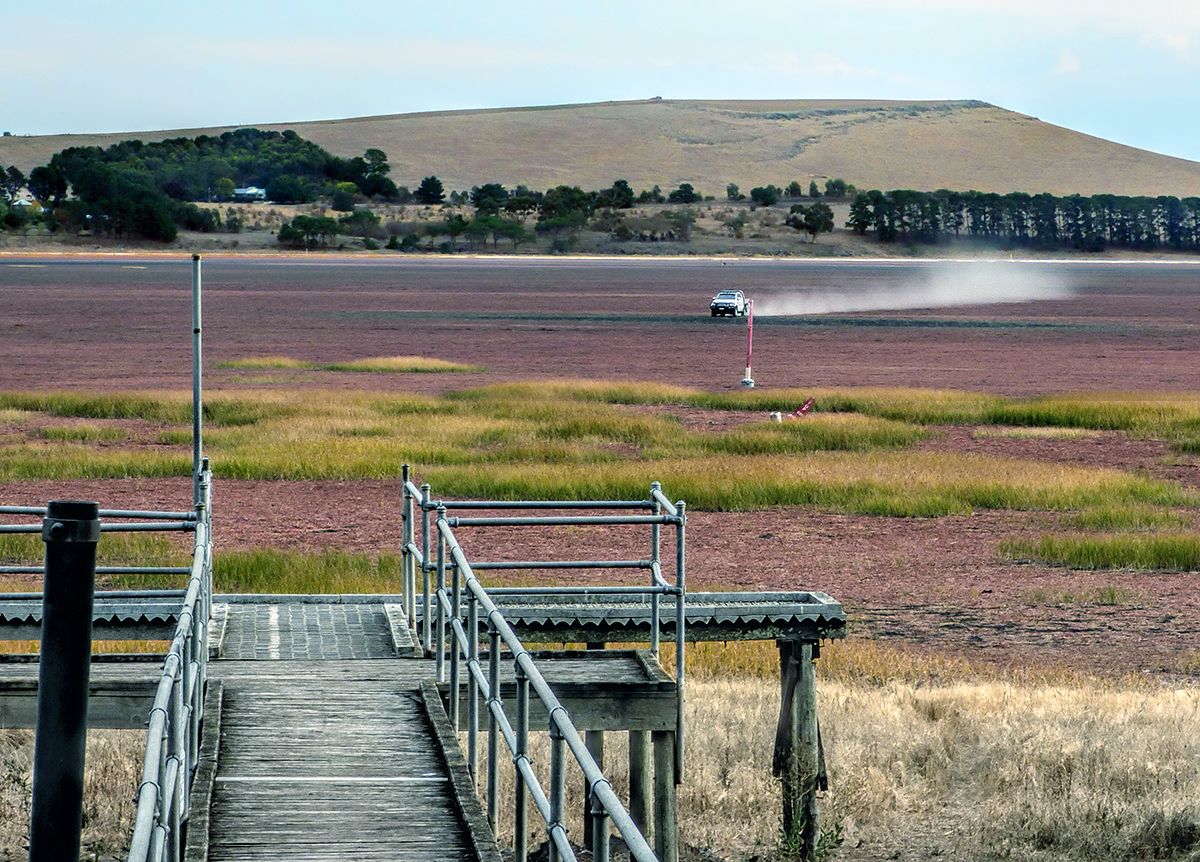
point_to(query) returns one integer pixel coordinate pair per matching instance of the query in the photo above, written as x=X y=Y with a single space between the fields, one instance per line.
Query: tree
x=731 y=192
x=488 y=198
x=289 y=189
x=685 y=194
x=813 y=191
x=343 y=197
x=430 y=192
x=860 y=214
x=794 y=190
x=835 y=188
x=11 y=183
x=521 y=202
x=653 y=196
x=309 y=231
x=565 y=200
x=620 y=196
x=48 y=184
x=765 y=195
x=377 y=164
x=813 y=219
x=360 y=223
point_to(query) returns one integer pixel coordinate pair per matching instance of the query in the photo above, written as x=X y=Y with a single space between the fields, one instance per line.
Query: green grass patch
x=113 y=549
x=1036 y=433
x=80 y=434
x=331 y=571
x=1138 y=552
x=574 y=440
x=1107 y=595
x=85 y=406
x=1129 y=518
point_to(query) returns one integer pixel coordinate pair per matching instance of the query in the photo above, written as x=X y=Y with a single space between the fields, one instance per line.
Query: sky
x=1125 y=71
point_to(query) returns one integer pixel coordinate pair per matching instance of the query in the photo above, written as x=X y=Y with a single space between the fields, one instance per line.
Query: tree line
x=1041 y=221
x=149 y=190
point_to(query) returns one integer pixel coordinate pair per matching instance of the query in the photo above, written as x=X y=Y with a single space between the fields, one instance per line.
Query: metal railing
x=484 y=685
x=173 y=738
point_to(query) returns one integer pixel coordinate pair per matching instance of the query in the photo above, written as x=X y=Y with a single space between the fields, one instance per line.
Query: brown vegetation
x=872 y=144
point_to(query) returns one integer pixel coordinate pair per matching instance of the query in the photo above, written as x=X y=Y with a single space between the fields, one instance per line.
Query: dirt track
x=931 y=583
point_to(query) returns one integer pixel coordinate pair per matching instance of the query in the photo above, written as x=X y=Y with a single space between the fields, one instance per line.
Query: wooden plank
x=333 y=760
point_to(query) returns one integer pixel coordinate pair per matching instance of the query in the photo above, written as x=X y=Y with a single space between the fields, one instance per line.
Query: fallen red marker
x=803 y=409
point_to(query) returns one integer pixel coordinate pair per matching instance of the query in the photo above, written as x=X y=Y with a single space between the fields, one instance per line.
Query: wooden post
x=666 y=836
x=640 y=776
x=797 y=753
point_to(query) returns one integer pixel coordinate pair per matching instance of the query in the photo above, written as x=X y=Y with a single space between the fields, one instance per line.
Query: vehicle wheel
x=714 y=314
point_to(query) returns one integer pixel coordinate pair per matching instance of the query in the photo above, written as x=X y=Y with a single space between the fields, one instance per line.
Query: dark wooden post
x=666 y=835
x=797 y=747
x=641 y=771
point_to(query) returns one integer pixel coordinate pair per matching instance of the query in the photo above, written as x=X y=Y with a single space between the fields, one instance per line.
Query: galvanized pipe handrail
x=105 y=513
x=172 y=742
x=132 y=527
x=528 y=673
x=109 y=594
x=564 y=521
x=661 y=499
x=101 y=570
x=665 y=589
x=563 y=564
x=541 y=504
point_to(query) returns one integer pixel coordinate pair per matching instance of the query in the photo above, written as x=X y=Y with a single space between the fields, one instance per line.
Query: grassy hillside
x=873 y=144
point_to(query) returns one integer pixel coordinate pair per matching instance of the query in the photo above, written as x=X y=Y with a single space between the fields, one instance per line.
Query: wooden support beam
x=666 y=834
x=641 y=771
x=797 y=760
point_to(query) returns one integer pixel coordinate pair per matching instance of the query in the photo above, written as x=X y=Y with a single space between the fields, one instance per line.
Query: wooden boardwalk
x=330 y=757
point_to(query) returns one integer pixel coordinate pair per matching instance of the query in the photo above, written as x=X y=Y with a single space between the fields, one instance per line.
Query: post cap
x=71 y=521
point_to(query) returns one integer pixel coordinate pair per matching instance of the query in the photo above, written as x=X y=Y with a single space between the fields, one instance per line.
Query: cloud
x=1068 y=63
x=818 y=65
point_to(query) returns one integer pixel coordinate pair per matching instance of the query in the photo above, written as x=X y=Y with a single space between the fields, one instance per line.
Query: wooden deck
x=330 y=758
x=334 y=760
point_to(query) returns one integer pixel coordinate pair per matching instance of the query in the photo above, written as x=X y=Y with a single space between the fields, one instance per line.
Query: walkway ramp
x=327 y=750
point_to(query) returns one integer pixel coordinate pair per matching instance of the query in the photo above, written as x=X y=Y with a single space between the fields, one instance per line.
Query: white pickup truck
x=732 y=302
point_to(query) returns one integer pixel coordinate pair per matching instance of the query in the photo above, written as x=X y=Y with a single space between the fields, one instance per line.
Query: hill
x=873 y=144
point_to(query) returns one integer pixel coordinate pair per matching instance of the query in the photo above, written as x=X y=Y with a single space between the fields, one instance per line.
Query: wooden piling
x=641 y=770
x=666 y=835
x=797 y=747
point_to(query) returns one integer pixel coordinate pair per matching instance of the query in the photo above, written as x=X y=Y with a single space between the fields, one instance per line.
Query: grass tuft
x=1138 y=552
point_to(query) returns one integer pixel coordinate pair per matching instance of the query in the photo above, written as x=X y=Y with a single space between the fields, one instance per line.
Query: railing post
x=407 y=578
x=197 y=387
x=454 y=648
x=655 y=557
x=600 y=830
x=558 y=782
x=472 y=686
x=427 y=609
x=441 y=612
x=521 y=802
x=70 y=530
x=680 y=635
x=493 y=776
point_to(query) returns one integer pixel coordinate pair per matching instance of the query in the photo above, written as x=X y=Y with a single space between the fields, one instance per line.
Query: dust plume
x=939 y=286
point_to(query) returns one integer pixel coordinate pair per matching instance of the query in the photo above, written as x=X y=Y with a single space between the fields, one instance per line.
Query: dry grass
x=929 y=757
x=111 y=774
x=957 y=145
x=392 y=364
